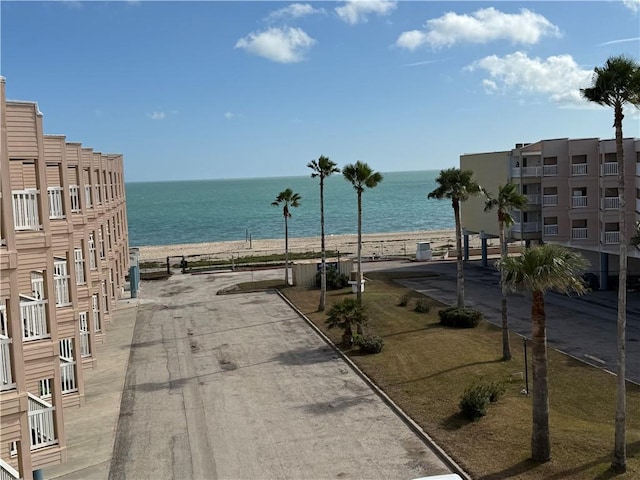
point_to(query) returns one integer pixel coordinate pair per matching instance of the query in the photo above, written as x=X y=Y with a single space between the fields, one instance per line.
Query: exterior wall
x=45 y=273
x=304 y=272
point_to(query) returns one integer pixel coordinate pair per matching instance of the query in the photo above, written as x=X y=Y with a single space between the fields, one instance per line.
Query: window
x=44 y=388
x=105 y=296
x=37 y=285
x=85 y=345
x=61 y=281
x=79 y=265
x=95 y=305
x=101 y=241
x=93 y=261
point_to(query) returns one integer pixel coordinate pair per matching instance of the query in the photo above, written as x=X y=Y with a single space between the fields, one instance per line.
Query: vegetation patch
x=460 y=317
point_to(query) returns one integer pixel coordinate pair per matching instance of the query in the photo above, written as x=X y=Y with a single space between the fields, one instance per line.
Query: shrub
x=370 y=344
x=495 y=391
x=460 y=317
x=474 y=401
x=404 y=300
x=335 y=279
x=422 y=306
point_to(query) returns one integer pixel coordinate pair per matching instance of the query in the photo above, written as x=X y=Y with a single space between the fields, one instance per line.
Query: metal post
x=483 y=245
x=38 y=474
x=465 y=245
x=526 y=366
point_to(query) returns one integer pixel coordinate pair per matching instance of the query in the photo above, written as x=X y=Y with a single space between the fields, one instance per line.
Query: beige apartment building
x=572 y=191
x=63 y=259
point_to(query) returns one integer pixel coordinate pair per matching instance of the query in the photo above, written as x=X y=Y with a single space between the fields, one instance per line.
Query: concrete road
x=240 y=387
x=584 y=327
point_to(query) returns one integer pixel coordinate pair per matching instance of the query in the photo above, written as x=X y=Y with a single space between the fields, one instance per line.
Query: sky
x=238 y=89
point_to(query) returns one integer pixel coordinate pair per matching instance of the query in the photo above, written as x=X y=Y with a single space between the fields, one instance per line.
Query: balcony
x=611 y=238
x=56 y=211
x=579 y=202
x=74 y=192
x=34 y=318
x=6 y=379
x=610 y=168
x=579 y=233
x=7 y=472
x=25 y=210
x=68 y=374
x=550 y=170
x=550 y=200
x=611 y=203
x=550 y=230
x=526 y=227
x=526 y=172
x=533 y=198
x=41 y=423
x=579 y=169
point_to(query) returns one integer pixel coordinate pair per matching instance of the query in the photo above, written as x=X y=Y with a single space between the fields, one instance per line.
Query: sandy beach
x=373 y=244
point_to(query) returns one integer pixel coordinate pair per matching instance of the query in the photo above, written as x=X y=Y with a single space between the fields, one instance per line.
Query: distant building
x=572 y=189
x=63 y=259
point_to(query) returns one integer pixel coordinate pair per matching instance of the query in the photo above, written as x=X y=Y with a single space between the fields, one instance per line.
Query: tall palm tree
x=458 y=186
x=322 y=168
x=614 y=85
x=508 y=198
x=360 y=175
x=288 y=200
x=539 y=269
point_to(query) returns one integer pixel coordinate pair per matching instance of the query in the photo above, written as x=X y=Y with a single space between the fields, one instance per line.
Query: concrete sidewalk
x=91 y=429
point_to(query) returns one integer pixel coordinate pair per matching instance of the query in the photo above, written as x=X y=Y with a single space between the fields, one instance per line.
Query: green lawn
x=424 y=368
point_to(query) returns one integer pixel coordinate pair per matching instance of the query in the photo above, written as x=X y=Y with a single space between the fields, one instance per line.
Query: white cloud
x=230 y=115
x=633 y=5
x=558 y=77
x=157 y=115
x=357 y=11
x=295 y=10
x=622 y=40
x=284 y=45
x=423 y=62
x=482 y=26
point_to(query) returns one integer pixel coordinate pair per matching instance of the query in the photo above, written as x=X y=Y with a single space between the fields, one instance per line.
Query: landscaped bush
x=335 y=279
x=460 y=317
x=404 y=300
x=495 y=391
x=370 y=344
x=474 y=401
x=422 y=306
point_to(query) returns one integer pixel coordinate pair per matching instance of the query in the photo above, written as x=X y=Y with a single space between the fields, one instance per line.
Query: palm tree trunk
x=359 y=282
x=506 y=347
x=540 y=442
x=286 y=251
x=619 y=462
x=323 y=268
x=460 y=272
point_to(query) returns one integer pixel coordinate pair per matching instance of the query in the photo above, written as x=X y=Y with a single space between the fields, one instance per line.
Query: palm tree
x=458 y=186
x=614 y=85
x=539 y=269
x=322 y=168
x=287 y=199
x=349 y=316
x=360 y=175
x=508 y=198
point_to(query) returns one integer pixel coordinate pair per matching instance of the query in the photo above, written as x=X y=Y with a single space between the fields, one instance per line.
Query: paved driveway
x=239 y=387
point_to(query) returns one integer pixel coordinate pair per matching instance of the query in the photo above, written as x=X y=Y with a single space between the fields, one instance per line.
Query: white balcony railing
x=55 y=202
x=533 y=198
x=611 y=203
x=579 y=169
x=6 y=379
x=549 y=200
x=41 y=423
x=526 y=227
x=87 y=196
x=526 y=171
x=579 y=202
x=34 y=318
x=610 y=238
x=550 y=170
x=74 y=191
x=68 y=375
x=25 y=210
x=610 y=168
x=550 y=230
x=7 y=472
x=579 y=233
x=85 y=345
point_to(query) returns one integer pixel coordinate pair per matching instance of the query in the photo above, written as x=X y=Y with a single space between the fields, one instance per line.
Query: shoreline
x=378 y=244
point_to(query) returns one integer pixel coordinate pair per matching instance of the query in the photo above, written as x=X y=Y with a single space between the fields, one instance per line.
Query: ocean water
x=167 y=213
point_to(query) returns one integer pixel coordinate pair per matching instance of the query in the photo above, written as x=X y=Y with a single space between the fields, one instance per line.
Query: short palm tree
x=508 y=198
x=349 y=316
x=458 y=186
x=614 y=85
x=322 y=168
x=360 y=175
x=537 y=270
x=288 y=200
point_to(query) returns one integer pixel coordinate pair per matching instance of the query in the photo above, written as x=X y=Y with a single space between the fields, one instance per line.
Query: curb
x=426 y=439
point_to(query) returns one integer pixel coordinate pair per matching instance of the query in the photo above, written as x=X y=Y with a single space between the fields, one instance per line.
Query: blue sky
x=258 y=89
